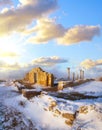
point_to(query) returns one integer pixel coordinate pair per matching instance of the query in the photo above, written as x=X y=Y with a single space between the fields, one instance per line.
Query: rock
x=92 y=107
x=45 y=109
x=69 y=122
x=30 y=94
x=52 y=105
x=50 y=108
x=57 y=112
x=83 y=109
x=60 y=87
x=69 y=116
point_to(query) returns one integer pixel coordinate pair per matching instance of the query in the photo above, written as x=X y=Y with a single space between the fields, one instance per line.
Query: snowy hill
x=47 y=112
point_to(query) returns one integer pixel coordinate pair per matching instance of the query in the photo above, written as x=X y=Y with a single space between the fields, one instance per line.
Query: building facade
x=38 y=76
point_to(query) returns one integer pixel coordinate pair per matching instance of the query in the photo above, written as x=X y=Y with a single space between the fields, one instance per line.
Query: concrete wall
x=37 y=75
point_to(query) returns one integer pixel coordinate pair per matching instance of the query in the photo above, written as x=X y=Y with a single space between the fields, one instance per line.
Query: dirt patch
x=30 y=94
x=73 y=96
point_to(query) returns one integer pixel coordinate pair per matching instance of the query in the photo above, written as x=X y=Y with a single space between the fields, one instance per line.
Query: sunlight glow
x=7 y=44
x=9 y=49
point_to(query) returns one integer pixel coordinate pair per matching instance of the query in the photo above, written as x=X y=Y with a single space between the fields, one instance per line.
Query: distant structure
x=39 y=76
x=81 y=74
x=68 y=73
x=75 y=76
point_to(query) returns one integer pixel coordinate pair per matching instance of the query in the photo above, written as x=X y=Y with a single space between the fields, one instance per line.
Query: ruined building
x=75 y=76
x=37 y=75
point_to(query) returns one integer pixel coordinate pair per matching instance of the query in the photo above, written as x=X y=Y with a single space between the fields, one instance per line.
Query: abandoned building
x=38 y=76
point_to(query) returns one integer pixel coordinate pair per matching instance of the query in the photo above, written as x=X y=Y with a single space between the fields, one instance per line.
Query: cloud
x=88 y=63
x=48 y=61
x=28 y=2
x=14 y=70
x=5 y=2
x=50 y=64
x=79 y=34
x=20 y=18
x=46 y=29
x=42 y=61
x=17 y=19
x=4 y=66
x=9 y=54
x=21 y=69
x=58 y=73
x=93 y=72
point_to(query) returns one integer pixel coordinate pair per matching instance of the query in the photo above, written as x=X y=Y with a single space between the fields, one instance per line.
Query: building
x=37 y=75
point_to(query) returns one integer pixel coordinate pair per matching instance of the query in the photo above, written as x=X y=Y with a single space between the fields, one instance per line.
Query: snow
x=92 y=88
x=37 y=108
x=34 y=110
x=90 y=121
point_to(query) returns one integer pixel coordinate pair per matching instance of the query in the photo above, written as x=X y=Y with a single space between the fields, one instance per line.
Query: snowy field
x=46 y=112
x=91 y=88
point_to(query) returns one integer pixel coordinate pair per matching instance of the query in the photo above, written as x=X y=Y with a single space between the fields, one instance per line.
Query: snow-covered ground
x=47 y=112
x=91 y=88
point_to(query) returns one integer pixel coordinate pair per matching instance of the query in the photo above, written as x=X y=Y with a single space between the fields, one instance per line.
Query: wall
x=37 y=75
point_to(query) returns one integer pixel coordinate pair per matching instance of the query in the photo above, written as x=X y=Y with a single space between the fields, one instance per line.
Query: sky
x=52 y=34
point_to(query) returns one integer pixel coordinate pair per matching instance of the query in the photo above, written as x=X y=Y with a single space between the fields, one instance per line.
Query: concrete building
x=37 y=75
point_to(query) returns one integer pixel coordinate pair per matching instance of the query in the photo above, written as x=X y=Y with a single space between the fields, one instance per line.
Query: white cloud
x=16 y=19
x=21 y=69
x=4 y=66
x=46 y=29
x=88 y=63
x=79 y=34
x=48 y=61
x=8 y=54
x=20 y=18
